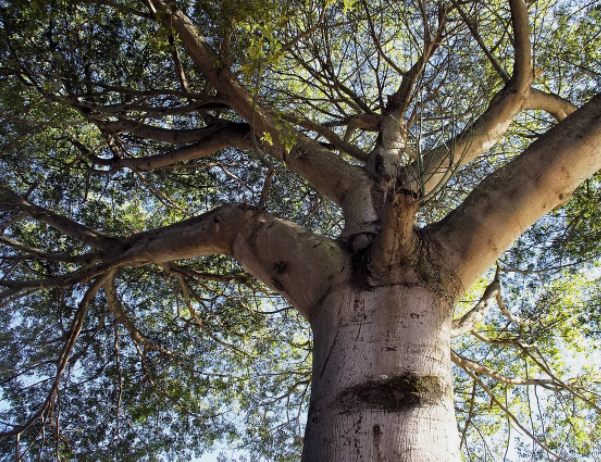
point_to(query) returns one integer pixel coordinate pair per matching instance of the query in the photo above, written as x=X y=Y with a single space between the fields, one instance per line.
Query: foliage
x=201 y=353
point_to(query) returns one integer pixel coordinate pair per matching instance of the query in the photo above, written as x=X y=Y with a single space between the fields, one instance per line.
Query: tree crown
x=169 y=169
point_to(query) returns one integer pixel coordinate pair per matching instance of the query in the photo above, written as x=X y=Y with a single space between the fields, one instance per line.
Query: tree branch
x=465 y=364
x=507 y=314
x=179 y=68
x=512 y=416
x=507 y=342
x=116 y=309
x=206 y=103
x=522 y=67
x=81 y=275
x=327 y=133
x=63 y=357
x=329 y=174
x=476 y=139
x=377 y=43
x=511 y=199
x=218 y=132
x=491 y=126
x=32 y=252
x=85 y=234
x=238 y=137
x=468 y=321
x=553 y=104
x=495 y=63
x=288 y=252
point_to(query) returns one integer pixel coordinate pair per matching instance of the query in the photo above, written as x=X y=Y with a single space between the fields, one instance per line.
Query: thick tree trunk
x=382 y=386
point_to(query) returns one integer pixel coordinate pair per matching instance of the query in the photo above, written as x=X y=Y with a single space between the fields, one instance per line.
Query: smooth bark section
x=384 y=160
x=298 y=264
x=508 y=201
x=347 y=185
x=381 y=382
x=553 y=104
x=522 y=66
x=398 y=240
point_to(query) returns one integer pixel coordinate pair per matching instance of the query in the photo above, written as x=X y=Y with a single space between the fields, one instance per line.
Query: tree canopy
x=129 y=128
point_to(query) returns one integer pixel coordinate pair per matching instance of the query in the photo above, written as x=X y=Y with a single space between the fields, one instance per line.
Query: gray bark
x=382 y=387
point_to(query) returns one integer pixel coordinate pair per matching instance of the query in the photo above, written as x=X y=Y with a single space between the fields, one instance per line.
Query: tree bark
x=382 y=386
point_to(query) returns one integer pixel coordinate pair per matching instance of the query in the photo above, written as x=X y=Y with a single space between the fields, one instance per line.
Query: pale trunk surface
x=382 y=386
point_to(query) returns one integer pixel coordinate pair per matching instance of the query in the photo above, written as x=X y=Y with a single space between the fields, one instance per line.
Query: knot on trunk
x=393 y=394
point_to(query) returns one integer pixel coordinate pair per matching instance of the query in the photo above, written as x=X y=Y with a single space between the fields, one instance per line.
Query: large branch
x=298 y=264
x=392 y=139
x=218 y=132
x=85 y=234
x=220 y=135
x=326 y=172
x=553 y=104
x=489 y=128
x=510 y=200
x=346 y=184
x=475 y=140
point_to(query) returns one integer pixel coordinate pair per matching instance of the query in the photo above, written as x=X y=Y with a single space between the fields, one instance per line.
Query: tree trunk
x=382 y=385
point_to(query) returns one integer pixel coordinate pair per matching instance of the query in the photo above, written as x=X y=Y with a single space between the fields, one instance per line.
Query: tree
x=382 y=172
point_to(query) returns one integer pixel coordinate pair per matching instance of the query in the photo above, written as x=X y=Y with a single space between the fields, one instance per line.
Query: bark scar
x=393 y=394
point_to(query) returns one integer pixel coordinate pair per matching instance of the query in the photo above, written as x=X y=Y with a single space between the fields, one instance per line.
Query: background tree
x=208 y=206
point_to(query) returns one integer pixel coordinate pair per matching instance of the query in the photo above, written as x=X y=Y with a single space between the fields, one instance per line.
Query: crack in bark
x=323 y=369
x=377 y=442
